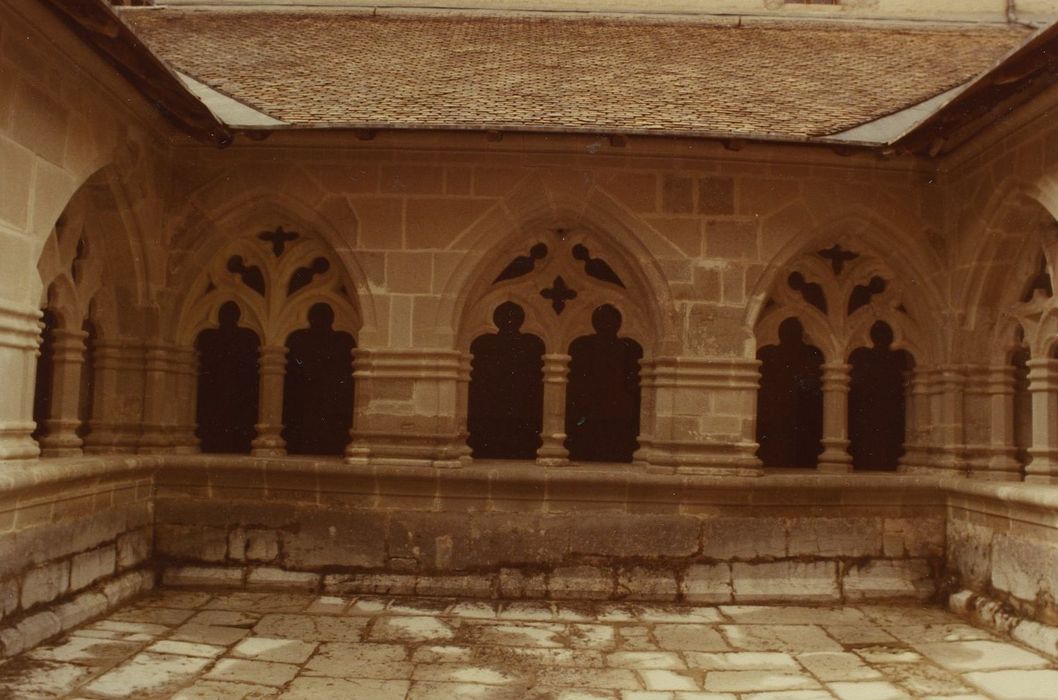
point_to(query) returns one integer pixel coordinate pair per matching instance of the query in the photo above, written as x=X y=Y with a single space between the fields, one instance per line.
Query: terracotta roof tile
x=786 y=80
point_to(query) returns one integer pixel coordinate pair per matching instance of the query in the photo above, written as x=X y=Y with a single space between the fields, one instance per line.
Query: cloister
x=378 y=301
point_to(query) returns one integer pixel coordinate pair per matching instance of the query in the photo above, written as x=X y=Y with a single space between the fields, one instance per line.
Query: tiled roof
x=763 y=79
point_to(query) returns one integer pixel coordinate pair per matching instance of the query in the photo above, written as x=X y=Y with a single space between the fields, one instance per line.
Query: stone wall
x=514 y=531
x=1002 y=543
x=76 y=539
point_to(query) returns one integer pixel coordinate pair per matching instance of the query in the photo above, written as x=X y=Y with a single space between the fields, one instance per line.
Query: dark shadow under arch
x=318 y=388
x=790 y=400
x=603 y=395
x=228 y=384
x=42 y=388
x=878 y=402
x=506 y=395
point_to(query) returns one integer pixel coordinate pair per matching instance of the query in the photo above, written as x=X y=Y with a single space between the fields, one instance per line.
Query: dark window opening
x=227 y=384
x=602 y=398
x=506 y=396
x=88 y=379
x=318 y=389
x=790 y=400
x=877 y=401
x=45 y=374
x=1022 y=405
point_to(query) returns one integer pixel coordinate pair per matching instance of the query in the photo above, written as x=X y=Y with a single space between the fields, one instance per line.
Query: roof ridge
x=637 y=17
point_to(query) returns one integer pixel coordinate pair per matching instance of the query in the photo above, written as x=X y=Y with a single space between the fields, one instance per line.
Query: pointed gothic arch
x=560 y=276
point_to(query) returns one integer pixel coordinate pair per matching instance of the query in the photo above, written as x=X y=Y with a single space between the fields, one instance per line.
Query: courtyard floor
x=198 y=645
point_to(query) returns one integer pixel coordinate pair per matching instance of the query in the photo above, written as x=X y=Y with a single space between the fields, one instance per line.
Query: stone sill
x=635 y=481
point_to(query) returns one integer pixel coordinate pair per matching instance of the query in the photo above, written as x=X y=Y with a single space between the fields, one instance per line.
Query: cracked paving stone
x=312 y=628
x=319 y=648
x=287 y=651
x=147 y=674
x=366 y=660
x=87 y=651
x=33 y=678
x=788 y=638
x=980 y=656
x=305 y=688
x=250 y=671
x=409 y=630
x=219 y=690
x=689 y=638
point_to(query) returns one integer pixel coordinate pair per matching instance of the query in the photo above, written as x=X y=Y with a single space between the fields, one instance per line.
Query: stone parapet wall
x=76 y=539
x=516 y=530
x=1002 y=542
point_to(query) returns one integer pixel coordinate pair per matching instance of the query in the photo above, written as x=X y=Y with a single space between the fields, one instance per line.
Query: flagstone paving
x=195 y=645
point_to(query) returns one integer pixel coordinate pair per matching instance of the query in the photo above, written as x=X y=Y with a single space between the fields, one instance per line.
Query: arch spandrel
x=255 y=270
x=256 y=210
x=839 y=272
x=859 y=229
x=533 y=209
x=573 y=292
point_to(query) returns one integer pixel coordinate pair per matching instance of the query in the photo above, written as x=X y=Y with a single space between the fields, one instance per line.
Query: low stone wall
x=518 y=530
x=76 y=538
x=1003 y=544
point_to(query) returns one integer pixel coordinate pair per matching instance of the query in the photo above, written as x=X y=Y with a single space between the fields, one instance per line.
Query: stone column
x=553 y=452
x=117 y=406
x=1002 y=464
x=410 y=408
x=835 y=457
x=19 y=346
x=918 y=424
x=704 y=416
x=185 y=370
x=1043 y=384
x=157 y=370
x=60 y=437
x=950 y=383
x=647 y=410
x=272 y=367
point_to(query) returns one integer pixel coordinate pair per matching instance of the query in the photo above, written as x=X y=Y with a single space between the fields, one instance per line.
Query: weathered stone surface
x=203 y=576
x=134 y=548
x=647 y=583
x=468 y=586
x=514 y=583
x=628 y=535
x=785 y=580
x=393 y=584
x=707 y=583
x=191 y=543
x=888 y=578
x=1024 y=568
x=835 y=537
x=270 y=577
x=725 y=539
x=45 y=583
x=88 y=567
x=328 y=538
x=969 y=551
x=587 y=582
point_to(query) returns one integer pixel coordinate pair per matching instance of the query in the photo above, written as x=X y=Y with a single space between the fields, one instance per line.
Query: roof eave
x=1025 y=71
x=102 y=29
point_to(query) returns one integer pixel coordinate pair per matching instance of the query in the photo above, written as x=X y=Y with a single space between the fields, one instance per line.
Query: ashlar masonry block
x=785 y=580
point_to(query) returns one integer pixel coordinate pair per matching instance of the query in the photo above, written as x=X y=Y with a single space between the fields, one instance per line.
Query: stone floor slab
x=250 y=645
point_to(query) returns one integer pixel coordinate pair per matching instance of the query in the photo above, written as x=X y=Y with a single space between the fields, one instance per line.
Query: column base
x=553 y=461
x=1041 y=479
x=834 y=467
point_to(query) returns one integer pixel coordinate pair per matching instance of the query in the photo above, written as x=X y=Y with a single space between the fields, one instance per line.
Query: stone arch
x=532 y=211
x=998 y=239
x=276 y=311
x=862 y=232
x=260 y=210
